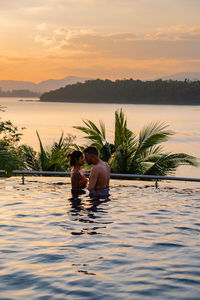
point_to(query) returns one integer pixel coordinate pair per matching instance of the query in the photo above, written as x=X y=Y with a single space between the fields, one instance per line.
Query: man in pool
x=99 y=175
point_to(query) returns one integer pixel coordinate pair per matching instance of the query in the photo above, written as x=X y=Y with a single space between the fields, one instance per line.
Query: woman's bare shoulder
x=75 y=175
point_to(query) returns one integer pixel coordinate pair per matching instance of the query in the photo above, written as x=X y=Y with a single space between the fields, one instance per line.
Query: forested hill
x=128 y=91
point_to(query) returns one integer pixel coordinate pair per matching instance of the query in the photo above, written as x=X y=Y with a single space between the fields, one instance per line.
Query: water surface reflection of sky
x=142 y=243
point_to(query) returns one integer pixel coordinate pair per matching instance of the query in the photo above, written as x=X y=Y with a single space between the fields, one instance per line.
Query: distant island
x=19 y=93
x=128 y=91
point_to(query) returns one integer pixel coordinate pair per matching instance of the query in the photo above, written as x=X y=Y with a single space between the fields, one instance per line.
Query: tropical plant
x=8 y=162
x=9 y=138
x=53 y=158
x=28 y=157
x=132 y=154
x=9 y=135
x=98 y=138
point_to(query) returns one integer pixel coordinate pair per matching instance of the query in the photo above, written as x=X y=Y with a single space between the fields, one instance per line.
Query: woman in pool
x=78 y=179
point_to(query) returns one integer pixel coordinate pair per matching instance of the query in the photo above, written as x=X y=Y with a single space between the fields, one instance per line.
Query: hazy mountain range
x=41 y=87
x=53 y=84
x=193 y=76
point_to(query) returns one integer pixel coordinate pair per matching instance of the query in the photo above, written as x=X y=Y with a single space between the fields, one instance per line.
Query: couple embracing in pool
x=99 y=178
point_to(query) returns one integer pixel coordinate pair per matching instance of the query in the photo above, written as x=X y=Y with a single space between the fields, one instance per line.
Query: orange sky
x=145 y=39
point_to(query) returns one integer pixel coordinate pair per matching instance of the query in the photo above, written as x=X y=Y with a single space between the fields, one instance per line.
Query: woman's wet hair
x=91 y=150
x=74 y=157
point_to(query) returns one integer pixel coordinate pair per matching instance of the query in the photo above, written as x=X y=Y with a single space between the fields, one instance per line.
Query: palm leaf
x=93 y=133
x=152 y=135
x=103 y=129
x=166 y=164
x=7 y=161
x=129 y=154
x=60 y=143
x=43 y=155
x=92 y=126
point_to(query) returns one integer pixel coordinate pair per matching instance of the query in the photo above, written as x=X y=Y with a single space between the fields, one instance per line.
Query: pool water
x=141 y=243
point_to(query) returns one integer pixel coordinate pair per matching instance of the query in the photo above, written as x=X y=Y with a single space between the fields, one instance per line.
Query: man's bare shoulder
x=105 y=164
x=100 y=165
x=94 y=169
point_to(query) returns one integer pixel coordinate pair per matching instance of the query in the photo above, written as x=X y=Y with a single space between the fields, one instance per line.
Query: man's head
x=91 y=155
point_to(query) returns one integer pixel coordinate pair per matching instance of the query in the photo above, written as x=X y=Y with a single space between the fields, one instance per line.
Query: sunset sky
x=145 y=39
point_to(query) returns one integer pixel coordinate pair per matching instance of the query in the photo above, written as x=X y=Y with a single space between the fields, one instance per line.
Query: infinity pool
x=142 y=243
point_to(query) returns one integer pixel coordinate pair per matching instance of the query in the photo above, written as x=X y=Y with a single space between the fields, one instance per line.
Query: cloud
x=13 y=5
x=194 y=30
x=8 y=59
x=175 y=42
x=123 y=36
x=173 y=33
x=160 y=44
x=62 y=37
x=61 y=31
x=41 y=26
x=83 y=51
x=45 y=40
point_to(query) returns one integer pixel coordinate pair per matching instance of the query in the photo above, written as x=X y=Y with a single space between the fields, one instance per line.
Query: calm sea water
x=51 y=118
x=142 y=243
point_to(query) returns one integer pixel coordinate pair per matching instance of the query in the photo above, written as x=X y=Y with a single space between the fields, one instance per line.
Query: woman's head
x=76 y=157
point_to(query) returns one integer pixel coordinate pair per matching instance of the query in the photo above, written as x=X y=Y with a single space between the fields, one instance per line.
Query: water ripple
x=142 y=243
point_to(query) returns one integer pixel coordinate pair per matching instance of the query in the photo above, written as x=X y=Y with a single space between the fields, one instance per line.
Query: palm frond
x=61 y=140
x=93 y=133
x=151 y=135
x=43 y=155
x=91 y=125
x=120 y=128
x=166 y=164
x=29 y=157
x=123 y=136
x=129 y=154
x=102 y=129
x=8 y=162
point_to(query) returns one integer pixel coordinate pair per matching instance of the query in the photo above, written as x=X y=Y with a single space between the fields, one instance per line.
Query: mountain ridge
x=181 y=76
x=41 y=87
x=53 y=84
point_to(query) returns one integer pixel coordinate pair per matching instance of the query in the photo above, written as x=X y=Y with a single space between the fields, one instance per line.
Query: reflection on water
x=141 y=243
x=88 y=212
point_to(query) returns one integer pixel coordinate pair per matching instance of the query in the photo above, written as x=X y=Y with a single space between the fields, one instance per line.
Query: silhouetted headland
x=128 y=91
